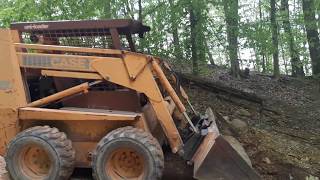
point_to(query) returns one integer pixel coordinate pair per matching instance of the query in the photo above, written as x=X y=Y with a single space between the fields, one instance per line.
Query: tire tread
x=58 y=141
x=138 y=135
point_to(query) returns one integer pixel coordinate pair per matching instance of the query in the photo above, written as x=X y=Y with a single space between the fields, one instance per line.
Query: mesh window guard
x=76 y=38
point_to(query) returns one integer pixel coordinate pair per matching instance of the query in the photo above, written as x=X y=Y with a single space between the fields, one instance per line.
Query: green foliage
x=170 y=36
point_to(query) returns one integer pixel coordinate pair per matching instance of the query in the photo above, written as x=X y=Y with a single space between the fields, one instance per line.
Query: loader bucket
x=217 y=159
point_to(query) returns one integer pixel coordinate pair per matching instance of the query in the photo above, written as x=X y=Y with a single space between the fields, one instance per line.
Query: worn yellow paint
x=131 y=70
x=68 y=49
x=59 y=61
x=116 y=72
x=165 y=83
x=54 y=97
x=134 y=63
x=66 y=74
x=29 y=113
x=8 y=127
x=12 y=92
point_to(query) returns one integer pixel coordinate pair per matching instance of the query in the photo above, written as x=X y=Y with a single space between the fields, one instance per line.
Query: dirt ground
x=282 y=136
x=176 y=169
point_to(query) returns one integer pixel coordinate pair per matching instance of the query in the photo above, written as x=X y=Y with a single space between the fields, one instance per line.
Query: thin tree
x=317 y=5
x=211 y=60
x=232 y=23
x=275 y=41
x=312 y=34
x=283 y=54
x=107 y=13
x=197 y=19
x=140 y=11
x=193 y=38
x=174 y=29
x=297 y=66
x=263 y=47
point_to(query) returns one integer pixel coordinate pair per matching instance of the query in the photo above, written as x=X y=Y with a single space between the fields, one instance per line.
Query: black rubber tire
x=141 y=141
x=56 y=145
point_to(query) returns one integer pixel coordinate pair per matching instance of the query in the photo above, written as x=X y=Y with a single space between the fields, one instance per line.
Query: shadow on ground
x=175 y=168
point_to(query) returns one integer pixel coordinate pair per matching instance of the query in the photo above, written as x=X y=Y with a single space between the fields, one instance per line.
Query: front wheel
x=40 y=153
x=128 y=153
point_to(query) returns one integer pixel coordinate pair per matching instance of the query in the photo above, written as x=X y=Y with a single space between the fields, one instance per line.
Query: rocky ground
x=281 y=135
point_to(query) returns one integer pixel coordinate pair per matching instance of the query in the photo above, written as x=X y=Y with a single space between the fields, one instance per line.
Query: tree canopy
x=270 y=36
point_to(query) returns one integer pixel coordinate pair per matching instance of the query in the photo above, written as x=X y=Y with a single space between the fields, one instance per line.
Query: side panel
x=115 y=71
x=8 y=127
x=119 y=100
x=12 y=92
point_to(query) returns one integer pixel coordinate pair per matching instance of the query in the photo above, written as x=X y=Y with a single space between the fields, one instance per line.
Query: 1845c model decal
x=52 y=62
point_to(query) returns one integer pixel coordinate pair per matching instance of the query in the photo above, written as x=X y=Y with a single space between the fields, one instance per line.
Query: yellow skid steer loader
x=78 y=94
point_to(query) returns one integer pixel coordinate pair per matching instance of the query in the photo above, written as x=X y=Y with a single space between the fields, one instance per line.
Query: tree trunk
x=284 y=56
x=232 y=20
x=140 y=10
x=263 y=49
x=263 y=63
x=275 y=43
x=267 y=66
x=175 y=34
x=297 y=66
x=312 y=34
x=128 y=11
x=107 y=14
x=211 y=60
x=305 y=57
x=193 y=23
x=318 y=13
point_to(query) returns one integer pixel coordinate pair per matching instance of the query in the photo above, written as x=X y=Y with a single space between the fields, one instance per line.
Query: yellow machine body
x=87 y=114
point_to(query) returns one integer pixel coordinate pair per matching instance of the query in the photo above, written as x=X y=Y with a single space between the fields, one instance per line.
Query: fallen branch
x=220 y=88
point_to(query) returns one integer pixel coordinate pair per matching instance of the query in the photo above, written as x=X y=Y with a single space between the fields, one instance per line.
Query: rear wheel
x=128 y=153
x=38 y=153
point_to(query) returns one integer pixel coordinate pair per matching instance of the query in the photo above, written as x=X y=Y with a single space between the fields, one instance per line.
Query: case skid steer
x=78 y=94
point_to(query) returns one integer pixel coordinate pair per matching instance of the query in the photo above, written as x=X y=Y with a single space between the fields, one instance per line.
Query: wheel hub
x=125 y=163
x=35 y=162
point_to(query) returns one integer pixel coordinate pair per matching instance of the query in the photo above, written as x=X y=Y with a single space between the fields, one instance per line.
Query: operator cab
x=105 y=34
x=116 y=34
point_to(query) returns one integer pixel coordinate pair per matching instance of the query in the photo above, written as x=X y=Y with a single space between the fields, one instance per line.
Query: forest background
x=269 y=36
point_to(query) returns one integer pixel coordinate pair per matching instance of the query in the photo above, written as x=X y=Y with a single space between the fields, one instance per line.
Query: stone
x=227 y=118
x=266 y=160
x=244 y=112
x=239 y=125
